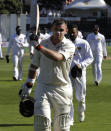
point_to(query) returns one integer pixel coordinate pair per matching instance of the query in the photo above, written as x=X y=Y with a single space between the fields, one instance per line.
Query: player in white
x=82 y=58
x=98 y=46
x=54 y=90
x=17 y=42
x=1 y=55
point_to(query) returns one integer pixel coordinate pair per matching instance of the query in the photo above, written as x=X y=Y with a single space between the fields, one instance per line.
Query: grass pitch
x=98 y=100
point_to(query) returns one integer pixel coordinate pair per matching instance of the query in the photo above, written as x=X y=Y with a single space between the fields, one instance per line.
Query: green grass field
x=98 y=100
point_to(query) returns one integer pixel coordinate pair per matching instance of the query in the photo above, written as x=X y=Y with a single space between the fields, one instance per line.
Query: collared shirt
x=55 y=73
x=17 y=43
x=97 y=43
x=83 y=54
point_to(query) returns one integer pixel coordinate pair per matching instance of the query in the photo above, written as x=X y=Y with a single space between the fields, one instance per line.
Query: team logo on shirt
x=98 y=38
x=79 y=48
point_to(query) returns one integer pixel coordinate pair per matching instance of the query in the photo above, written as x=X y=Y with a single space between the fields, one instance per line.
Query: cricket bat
x=37 y=19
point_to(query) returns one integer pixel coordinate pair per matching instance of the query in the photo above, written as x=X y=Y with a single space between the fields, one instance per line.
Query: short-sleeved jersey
x=54 y=73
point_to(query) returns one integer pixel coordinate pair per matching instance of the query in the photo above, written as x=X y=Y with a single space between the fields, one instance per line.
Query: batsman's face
x=59 y=31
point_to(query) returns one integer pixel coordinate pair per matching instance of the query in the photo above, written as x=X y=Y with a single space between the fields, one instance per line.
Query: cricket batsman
x=54 y=90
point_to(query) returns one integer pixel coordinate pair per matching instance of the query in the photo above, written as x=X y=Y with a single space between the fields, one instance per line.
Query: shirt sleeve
x=88 y=57
x=36 y=58
x=67 y=50
x=104 y=46
x=24 y=42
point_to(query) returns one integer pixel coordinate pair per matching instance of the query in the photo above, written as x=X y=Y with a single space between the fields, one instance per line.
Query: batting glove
x=34 y=39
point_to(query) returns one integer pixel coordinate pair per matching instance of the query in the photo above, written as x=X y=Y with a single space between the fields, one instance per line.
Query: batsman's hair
x=59 y=21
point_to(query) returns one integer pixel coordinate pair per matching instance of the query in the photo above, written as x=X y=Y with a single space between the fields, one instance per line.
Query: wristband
x=39 y=47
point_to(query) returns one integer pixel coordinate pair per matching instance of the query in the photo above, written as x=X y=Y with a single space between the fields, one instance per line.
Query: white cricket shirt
x=54 y=73
x=17 y=43
x=83 y=54
x=97 y=43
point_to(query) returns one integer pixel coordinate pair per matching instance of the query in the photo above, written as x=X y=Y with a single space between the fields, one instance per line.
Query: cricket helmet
x=26 y=106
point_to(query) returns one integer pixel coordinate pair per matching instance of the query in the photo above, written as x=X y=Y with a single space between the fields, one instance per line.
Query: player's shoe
x=14 y=78
x=81 y=116
x=96 y=83
x=1 y=58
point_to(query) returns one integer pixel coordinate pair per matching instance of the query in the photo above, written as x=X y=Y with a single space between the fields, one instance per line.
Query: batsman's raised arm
x=56 y=56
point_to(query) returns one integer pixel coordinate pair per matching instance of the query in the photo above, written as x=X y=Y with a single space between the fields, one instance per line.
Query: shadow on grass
x=7 y=80
x=8 y=125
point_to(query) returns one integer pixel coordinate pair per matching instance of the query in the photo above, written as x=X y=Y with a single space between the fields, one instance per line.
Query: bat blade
x=37 y=19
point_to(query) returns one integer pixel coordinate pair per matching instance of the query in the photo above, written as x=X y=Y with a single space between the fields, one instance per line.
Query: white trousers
x=1 y=56
x=56 y=99
x=96 y=68
x=79 y=84
x=17 y=66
